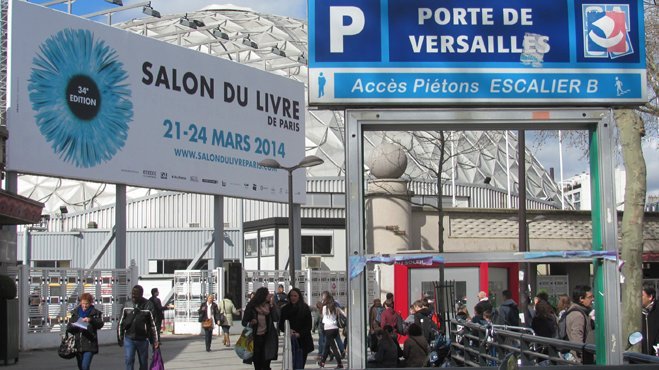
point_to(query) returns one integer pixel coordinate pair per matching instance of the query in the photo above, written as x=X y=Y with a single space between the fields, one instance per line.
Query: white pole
x=508 y=172
x=560 y=161
x=452 y=170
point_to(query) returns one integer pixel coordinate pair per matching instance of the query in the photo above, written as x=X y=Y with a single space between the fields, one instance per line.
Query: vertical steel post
x=218 y=231
x=291 y=232
x=605 y=227
x=120 y=224
x=355 y=240
x=522 y=226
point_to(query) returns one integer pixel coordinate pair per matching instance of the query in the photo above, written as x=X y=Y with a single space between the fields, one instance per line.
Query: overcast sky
x=574 y=159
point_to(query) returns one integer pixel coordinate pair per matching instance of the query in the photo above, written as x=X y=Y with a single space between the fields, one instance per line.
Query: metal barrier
x=47 y=296
x=477 y=345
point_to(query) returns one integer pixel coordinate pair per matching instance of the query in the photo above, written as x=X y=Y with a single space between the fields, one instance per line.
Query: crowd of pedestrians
x=393 y=341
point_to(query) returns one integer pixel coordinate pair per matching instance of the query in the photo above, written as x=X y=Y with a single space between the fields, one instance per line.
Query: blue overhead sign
x=470 y=52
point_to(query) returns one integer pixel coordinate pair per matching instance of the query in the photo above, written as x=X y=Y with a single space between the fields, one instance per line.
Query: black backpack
x=506 y=315
x=428 y=327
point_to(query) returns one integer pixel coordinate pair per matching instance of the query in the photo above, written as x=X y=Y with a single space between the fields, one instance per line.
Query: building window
x=64 y=264
x=317 y=244
x=169 y=266
x=267 y=245
x=251 y=249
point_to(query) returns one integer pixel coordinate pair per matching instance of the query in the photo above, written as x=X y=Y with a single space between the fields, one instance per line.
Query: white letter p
x=338 y=30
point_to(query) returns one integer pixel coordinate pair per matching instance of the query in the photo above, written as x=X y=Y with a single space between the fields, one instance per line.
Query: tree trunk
x=631 y=129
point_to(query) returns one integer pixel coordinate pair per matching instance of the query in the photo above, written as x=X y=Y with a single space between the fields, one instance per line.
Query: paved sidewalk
x=179 y=352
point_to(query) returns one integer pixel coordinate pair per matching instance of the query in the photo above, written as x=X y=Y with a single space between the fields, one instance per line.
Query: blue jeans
x=142 y=348
x=84 y=360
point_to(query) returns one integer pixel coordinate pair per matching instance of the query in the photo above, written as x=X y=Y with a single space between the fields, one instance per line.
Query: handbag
x=67 y=348
x=245 y=345
x=157 y=363
x=207 y=324
x=223 y=316
x=341 y=321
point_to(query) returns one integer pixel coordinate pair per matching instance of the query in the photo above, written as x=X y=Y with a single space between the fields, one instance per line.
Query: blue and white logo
x=82 y=102
x=606 y=30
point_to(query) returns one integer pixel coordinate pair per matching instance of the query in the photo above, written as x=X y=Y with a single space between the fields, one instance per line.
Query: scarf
x=262 y=312
x=84 y=313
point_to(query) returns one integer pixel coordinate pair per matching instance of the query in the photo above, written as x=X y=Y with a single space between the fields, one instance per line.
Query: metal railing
x=477 y=346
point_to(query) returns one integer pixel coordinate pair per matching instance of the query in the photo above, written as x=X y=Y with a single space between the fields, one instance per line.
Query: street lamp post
x=308 y=161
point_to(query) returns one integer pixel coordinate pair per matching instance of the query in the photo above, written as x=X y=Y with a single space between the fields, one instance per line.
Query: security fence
x=192 y=286
x=47 y=296
x=476 y=345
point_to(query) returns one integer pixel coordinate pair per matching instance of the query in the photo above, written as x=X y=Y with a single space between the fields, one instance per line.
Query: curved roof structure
x=278 y=45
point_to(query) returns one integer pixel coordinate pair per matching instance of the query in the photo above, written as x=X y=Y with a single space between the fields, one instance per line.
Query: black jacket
x=203 y=313
x=507 y=314
x=271 y=345
x=650 y=328
x=158 y=309
x=299 y=317
x=137 y=322
x=86 y=339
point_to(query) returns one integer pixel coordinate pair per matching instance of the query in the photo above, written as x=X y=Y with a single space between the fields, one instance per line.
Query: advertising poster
x=91 y=102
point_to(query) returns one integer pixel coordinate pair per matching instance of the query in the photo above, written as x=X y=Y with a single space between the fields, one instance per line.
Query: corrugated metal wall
x=141 y=245
x=182 y=210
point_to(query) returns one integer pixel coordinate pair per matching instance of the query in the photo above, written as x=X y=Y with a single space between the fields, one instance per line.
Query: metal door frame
x=599 y=121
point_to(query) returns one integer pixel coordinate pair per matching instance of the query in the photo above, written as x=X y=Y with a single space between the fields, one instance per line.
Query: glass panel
x=307 y=244
x=171 y=265
x=322 y=244
x=268 y=246
x=250 y=248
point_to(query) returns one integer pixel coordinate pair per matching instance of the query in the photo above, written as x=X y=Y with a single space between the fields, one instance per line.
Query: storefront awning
x=17 y=210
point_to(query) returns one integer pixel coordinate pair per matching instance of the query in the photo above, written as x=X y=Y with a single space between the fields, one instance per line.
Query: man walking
x=158 y=310
x=650 y=325
x=577 y=322
x=137 y=329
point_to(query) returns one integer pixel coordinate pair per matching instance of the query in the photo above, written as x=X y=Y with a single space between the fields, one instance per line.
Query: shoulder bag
x=67 y=348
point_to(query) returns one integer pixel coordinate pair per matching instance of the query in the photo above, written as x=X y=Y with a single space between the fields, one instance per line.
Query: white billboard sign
x=96 y=103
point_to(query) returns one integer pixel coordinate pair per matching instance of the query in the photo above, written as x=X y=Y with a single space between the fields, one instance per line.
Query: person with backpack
x=650 y=323
x=508 y=312
x=422 y=317
x=137 y=328
x=578 y=327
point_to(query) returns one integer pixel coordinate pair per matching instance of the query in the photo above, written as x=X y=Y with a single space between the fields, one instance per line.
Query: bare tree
x=632 y=126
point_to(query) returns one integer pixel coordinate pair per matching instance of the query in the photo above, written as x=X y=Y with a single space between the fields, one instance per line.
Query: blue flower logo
x=78 y=89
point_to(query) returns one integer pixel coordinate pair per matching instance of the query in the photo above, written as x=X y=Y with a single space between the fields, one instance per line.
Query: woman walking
x=298 y=314
x=260 y=314
x=228 y=309
x=331 y=314
x=85 y=321
x=209 y=315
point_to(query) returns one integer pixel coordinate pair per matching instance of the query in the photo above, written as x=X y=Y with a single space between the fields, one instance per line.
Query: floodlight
x=148 y=10
x=115 y=2
x=248 y=42
x=278 y=51
x=188 y=23
x=302 y=59
x=217 y=32
x=63 y=210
